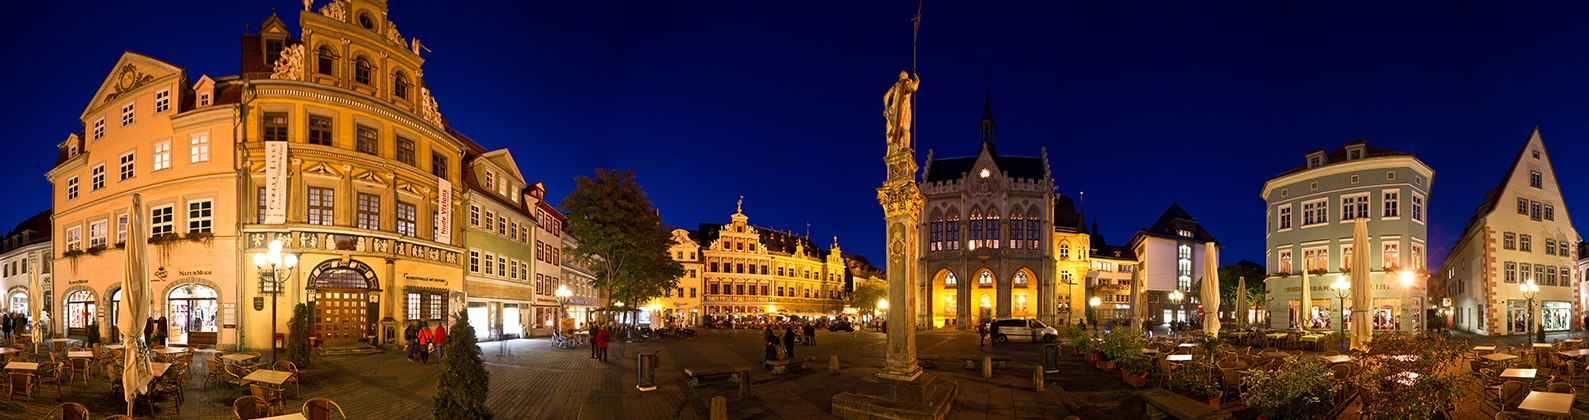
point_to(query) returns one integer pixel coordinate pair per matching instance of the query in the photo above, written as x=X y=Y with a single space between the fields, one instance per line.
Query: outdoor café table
x=115 y=347
x=168 y=351
x=272 y=377
x=1486 y=347
x=1515 y=373
x=1551 y=403
x=1187 y=345
x=59 y=344
x=1541 y=345
x=1275 y=354
x=1340 y=358
x=238 y=357
x=80 y=354
x=1276 y=336
x=1179 y=358
x=1575 y=353
x=1150 y=351
x=292 y=416
x=29 y=366
x=1499 y=357
x=1573 y=340
x=8 y=350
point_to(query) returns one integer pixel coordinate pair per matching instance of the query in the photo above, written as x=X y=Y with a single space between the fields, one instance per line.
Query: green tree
x=463 y=383
x=622 y=238
x=1230 y=273
x=867 y=292
x=298 y=336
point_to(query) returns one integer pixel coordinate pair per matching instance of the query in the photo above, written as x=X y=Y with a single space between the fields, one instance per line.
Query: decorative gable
x=131 y=72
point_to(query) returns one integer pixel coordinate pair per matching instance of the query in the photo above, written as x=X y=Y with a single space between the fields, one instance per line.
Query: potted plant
x=1438 y=386
x=1197 y=387
x=1086 y=346
x=1075 y=335
x=1119 y=345
x=1300 y=389
x=1134 y=371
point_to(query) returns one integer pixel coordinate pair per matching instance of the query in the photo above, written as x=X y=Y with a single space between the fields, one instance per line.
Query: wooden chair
x=80 y=367
x=320 y=409
x=51 y=373
x=248 y=407
x=216 y=372
x=71 y=411
x=1559 y=387
x=1233 y=381
x=1332 y=353
x=117 y=417
x=269 y=396
x=234 y=376
x=172 y=385
x=1512 y=394
x=19 y=383
x=287 y=366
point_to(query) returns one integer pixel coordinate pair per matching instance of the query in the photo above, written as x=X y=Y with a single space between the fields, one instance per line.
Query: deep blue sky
x=1140 y=104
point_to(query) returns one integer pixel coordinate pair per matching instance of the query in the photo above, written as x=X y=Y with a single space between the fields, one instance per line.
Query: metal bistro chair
x=320 y=409
x=248 y=407
x=287 y=366
x=269 y=396
x=71 y=411
x=80 y=367
x=234 y=376
x=19 y=383
x=51 y=373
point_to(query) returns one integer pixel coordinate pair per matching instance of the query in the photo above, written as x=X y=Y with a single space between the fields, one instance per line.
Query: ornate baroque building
x=986 y=224
x=756 y=271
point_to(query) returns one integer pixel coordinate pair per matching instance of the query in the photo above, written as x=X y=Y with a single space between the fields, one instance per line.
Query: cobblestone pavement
x=532 y=380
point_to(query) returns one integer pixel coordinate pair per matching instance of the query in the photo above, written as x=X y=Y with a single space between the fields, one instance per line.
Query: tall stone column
x=902 y=201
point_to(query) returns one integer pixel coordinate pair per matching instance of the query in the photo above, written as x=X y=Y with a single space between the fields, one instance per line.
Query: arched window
x=193 y=308
x=935 y=242
x=975 y=228
x=361 y=70
x=951 y=230
x=1064 y=250
x=985 y=279
x=1020 y=278
x=79 y=309
x=1017 y=230
x=400 y=85
x=1033 y=224
x=19 y=303
x=326 y=61
x=993 y=227
x=949 y=279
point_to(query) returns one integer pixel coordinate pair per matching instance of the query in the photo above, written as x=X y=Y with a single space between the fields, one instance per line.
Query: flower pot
x=1211 y=401
x=1137 y=381
x=1109 y=367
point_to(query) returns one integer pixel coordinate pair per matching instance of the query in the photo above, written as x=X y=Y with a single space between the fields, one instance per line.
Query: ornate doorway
x=80 y=311
x=340 y=302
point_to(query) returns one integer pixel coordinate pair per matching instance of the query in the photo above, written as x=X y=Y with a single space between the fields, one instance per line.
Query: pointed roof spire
x=987 y=125
x=987 y=102
x=1095 y=225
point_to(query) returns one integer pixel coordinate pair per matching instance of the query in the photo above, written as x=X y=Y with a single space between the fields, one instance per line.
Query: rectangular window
x=1285 y=217
x=1533 y=210
x=491 y=269
x=1392 y=201
x=1550 y=212
x=1346 y=257
x=96 y=234
x=1539 y=273
x=502 y=225
x=162 y=101
x=474 y=261
x=71 y=188
x=204 y=99
x=127 y=114
x=199 y=147
x=1550 y=276
x=160 y=220
x=1417 y=207
x=1534 y=180
x=74 y=238
x=201 y=215
x=369 y=211
x=1315 y=212
x=407 y=214
x=322 y=206
x=1354 y=207
x=275 y=126
x=1417 y=256
x=491 y=180
x=474 y=215
x=1524 y=270
x=502 y=265
x=121 y=229
x=319 y=130
x=369 y=140
x=1561 y=249
x=1525 y=243
x=1510 y=241
x=1550 y=247
x=692 y=292
x=405 y=150
x=99 y=128
x=1392 y=255
x=128 y=164
x=438 y=164
x=162 y=155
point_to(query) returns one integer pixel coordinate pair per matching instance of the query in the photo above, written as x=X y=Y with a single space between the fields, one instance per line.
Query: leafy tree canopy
x=622 y=237
x=867 y=292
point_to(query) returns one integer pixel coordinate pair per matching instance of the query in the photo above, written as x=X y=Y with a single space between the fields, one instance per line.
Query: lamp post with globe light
x=277 y=266
x=882 y=304
x=1530 y=290
x=1407 y=279
x=1343 y=289
x=562 y=301
x=1094 y=302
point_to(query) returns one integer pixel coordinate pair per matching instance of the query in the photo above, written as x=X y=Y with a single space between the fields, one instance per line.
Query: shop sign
x=444 y=211
x=159 y=275
x=197 y=272
x=259 y=303
x=275 y=182
x=407 y=276
x=77 y=282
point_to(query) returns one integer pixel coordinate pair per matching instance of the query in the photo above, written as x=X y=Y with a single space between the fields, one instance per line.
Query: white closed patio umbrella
x=1305 y=310
x=1136 y=299
x=135 y=305
x=1361 y=330
x=1241 y=301
x=1210 y=290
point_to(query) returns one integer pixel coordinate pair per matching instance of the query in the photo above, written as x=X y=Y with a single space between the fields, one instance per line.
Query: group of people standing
x=423 y=340
x=782 y=347
x=601 y=336
x=13 y=323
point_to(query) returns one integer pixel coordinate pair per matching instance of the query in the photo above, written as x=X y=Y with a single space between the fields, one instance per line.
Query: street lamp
x=1529 y=290
x=278 y=266
x=562 y=294
x=1095 y=301
x=1342 y=290
x=882 y=304
x=1407 y=278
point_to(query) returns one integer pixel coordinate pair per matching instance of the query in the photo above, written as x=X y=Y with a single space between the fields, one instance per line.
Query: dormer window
x=1354 y=155
x=272 y=50
x=204 y=99
x=1183 y=232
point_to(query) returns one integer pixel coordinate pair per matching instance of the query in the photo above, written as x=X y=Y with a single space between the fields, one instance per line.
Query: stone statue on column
x=897 y=110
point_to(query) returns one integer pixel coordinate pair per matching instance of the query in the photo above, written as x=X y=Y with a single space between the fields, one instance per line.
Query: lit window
x=199 y=147
x=162 y=155
x=369 y=211
x=322 y=206
x=985 y=279
x=406 y=216
x=96 y=234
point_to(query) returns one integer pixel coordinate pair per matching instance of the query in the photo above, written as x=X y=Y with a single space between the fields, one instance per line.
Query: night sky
x=1140 y=104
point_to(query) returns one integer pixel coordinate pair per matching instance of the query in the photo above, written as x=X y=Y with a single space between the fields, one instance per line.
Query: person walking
x=994 y=328
x=425 y=337
x=5 y=326
x=811 y=334
x=770 y=343
x=788 y=341
x=411 y=336
x=440 y=337
x=601 y=343
x=593 y=333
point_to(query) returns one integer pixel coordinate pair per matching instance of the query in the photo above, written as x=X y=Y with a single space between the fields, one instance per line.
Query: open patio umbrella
x=1136 y=299
x=1241 y=301
x=1361 y=332
x=1210 y=290
x=1305 y=311
x=135 y=306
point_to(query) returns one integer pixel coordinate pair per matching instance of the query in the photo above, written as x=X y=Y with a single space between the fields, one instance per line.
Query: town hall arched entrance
x=342 y=301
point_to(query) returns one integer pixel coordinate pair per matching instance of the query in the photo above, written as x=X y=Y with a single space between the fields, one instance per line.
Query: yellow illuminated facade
x=755 y=272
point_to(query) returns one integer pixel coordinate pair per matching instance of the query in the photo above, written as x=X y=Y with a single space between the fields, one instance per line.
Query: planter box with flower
x=1084 y=344
x=1074 y=335
x=1134 y=371
x=1299 y=389
x=1198 y=386
x=1438 y=385
x=1119 y=345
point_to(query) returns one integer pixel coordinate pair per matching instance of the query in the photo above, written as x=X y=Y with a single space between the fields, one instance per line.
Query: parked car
x=841 y=326
x=1023 y=329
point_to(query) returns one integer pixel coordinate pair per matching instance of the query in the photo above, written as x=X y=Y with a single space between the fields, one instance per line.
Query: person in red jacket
x=425 y=341
x=440 y=337
x=601 y=342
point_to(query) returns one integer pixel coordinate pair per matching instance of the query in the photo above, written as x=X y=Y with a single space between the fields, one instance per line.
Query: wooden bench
x=1161 y=403
x=699 y=375
x=976 y=362
x=780 y=367
x=927 y=362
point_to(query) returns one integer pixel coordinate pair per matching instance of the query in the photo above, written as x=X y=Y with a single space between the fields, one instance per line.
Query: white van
x=1020 y=329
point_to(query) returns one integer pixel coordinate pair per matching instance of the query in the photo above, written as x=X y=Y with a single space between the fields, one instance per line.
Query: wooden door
x=340 y=314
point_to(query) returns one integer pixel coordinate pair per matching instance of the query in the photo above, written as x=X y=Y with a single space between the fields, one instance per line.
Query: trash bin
x=1050 y=358
x=647 y=364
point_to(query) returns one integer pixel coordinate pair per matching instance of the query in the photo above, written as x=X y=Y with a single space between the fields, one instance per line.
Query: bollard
x=744 y=384
x=987 y=366
x=719 y=408
x=1037 y=378
x=833 y=364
